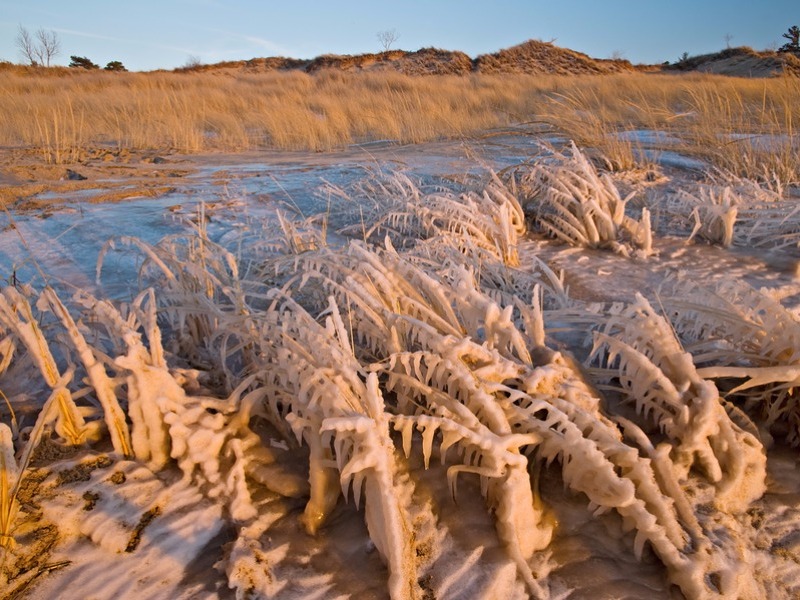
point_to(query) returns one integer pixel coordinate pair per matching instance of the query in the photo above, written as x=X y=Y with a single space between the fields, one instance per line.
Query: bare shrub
x=39 y=48
x=387 y=38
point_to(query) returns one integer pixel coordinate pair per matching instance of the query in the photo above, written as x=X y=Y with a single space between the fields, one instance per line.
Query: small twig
x=17 y=592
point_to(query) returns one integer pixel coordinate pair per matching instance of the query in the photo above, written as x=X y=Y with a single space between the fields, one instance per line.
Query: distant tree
x=27 y=46
x=793 y=35
x=192 y=62
x=684 y=57
x=49 y=45
x=81 y=62
x=40 y=48
x=387 y=38
x=727 y=37
x=115 y=65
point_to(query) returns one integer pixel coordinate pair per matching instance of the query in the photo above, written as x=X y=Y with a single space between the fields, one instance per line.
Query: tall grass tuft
x=748 y=130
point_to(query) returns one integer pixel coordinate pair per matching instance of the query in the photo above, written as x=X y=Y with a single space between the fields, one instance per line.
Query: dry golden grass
x=62 y=113
x=206 y=111
x=746 y=126
x=749 y=129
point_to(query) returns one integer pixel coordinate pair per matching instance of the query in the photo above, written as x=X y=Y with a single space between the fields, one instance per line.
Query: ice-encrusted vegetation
x=731 y=211
x=295 y=369
x=574 y=203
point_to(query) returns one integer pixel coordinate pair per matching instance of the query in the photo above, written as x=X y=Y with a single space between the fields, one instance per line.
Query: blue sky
x=149 y=34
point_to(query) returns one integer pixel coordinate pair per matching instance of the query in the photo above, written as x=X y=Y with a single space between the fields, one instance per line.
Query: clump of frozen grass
x=59 y=413
x=288 y=234
x=17 y=317
x=103 y=384
x=750 y=190
x=487 y=221
x=456 y=362
x=391 y=303
x=201 y=292
x=336 y=409
x=209 y=438
x=482 y=228
x=748 y=342
x=659 y=377
x=712 y=213
x=570 y=201
x=731 y=211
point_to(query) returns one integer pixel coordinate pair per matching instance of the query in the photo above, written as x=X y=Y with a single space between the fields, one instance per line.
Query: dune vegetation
x=747 y=126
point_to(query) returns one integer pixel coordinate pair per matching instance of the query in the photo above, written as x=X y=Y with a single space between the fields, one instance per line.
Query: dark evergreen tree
x=81 y=62
x=793 y=35
x=115 y=65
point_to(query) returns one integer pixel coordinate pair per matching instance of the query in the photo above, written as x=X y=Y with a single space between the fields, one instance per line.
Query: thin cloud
x=252 y=40
x=108 y=38
x=86 y=34
x=208 y=53
x=266 y=44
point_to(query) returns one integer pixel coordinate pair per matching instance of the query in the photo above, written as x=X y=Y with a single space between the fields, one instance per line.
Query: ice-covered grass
x=416 y=366
x=574 y=203
x=729 y=210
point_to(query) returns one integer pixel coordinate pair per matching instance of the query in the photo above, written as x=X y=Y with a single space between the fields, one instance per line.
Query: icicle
x=324 y=483
x=428 y=431
x=406 y=427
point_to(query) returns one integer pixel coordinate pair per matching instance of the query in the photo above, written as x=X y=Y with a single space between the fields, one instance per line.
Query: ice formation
x=423 y=337
x=731 y=211
x=573 y=203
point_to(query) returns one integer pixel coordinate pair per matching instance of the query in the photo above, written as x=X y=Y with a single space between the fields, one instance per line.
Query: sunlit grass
x=197 y=112
x=745 y=126
x=721 y=119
